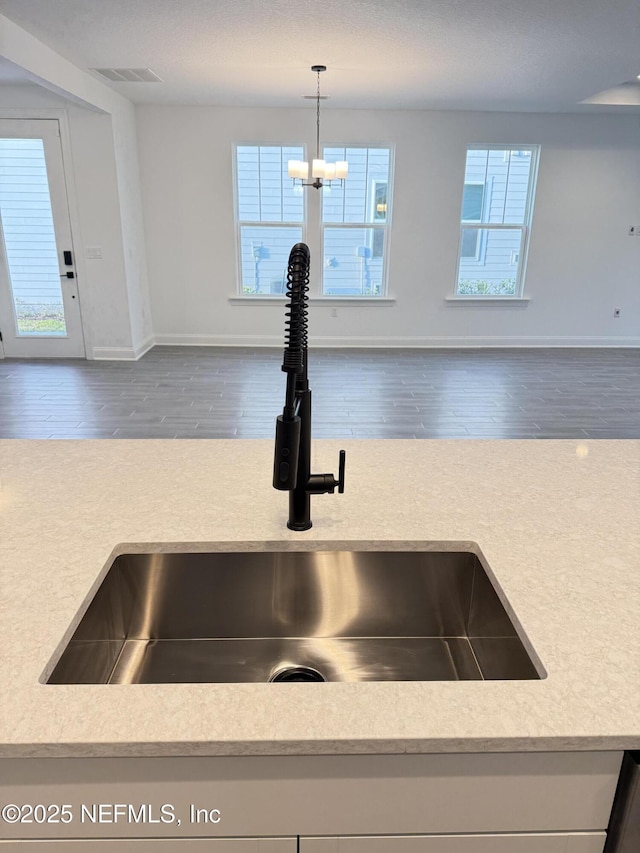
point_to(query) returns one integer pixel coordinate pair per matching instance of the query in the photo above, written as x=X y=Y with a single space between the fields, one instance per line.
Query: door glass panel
x=29 y=239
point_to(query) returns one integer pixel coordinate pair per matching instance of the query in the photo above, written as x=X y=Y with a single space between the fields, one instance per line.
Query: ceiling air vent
x=129 y=75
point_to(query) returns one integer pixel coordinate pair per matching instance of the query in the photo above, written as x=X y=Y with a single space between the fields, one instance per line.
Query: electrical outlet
x=616 y=312
x=334 y=312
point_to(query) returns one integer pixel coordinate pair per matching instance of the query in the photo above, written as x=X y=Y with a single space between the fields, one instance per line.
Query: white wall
x=581 y=265
x=132 y=226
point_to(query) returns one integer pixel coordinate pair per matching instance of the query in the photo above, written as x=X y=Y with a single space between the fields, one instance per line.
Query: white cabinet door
x=578 y=842
x=326 y=795
x=172 y=845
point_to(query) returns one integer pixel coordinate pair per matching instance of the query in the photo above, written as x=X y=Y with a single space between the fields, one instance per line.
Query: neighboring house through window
x=270 y=216
x=355 y=222
x=497 y=205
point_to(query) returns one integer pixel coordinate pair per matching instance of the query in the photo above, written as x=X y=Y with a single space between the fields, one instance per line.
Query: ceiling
x=528 y=55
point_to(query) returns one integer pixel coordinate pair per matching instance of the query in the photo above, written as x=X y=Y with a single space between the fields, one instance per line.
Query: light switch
x=93 y=254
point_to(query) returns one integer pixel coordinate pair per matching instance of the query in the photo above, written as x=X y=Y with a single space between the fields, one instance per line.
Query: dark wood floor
x=211 y=392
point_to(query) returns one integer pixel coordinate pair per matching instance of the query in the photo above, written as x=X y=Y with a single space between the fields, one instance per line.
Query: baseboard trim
x=124 y=353
x=392 y=342
x=114 y=354
x=144 y=346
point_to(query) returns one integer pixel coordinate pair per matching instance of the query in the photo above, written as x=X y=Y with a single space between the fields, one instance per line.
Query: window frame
x=524 y=227
x=383 y=227
x=241 y=223
x=466 y=184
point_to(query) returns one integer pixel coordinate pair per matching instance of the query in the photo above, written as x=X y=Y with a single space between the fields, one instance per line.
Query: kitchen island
x=557 y=521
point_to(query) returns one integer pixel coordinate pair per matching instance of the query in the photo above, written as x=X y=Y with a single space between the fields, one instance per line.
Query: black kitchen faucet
x=292 y=460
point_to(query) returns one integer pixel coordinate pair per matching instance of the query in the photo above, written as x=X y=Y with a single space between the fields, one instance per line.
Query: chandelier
x=322 y=172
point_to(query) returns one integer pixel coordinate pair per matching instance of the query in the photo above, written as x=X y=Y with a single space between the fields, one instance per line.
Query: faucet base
x=299 y=525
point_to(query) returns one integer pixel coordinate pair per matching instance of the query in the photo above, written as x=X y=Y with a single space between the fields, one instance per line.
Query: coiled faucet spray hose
x=294 y=364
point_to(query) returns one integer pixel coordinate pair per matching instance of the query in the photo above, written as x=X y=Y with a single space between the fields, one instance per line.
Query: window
x=269 y=216
x=497 y=203
x=355 y=219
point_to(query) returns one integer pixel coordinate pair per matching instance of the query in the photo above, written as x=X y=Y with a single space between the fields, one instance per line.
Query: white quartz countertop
x=557 y=521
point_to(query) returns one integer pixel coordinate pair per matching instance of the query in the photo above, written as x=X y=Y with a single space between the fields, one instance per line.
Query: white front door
x=39 y=304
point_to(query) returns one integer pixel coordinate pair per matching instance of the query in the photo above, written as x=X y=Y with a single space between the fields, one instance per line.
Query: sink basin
x=296 y=616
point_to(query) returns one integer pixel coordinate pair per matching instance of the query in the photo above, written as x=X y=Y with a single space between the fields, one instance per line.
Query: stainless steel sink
x=296 y=616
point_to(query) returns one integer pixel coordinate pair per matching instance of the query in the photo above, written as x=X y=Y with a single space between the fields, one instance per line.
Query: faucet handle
x=342 y=463
x=322 y=484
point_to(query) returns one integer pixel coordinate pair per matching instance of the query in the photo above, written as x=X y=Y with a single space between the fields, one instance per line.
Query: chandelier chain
x=318 y=117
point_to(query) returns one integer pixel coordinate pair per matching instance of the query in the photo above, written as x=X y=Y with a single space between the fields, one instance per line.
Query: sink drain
x=297 y=673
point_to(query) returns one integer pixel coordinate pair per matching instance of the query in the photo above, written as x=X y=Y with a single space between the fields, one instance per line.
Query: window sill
x=521 y=301
x=385 y=301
